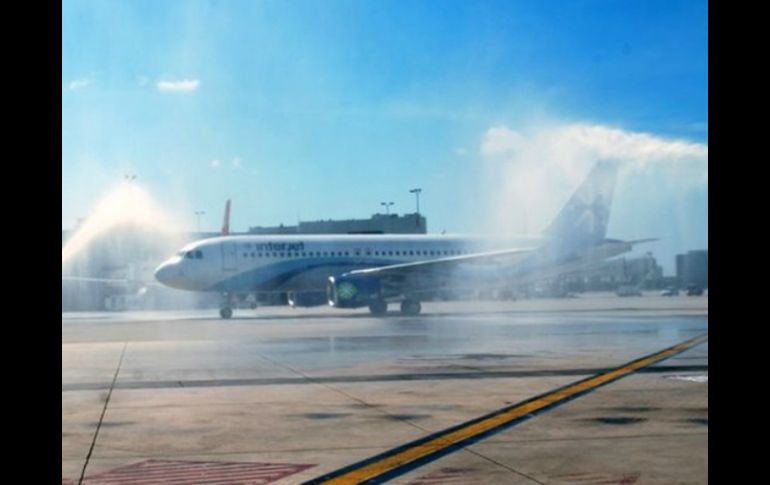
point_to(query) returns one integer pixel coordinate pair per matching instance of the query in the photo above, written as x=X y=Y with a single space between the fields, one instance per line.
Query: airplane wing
x=438 y=265
x=506 y=257
x=481 y=270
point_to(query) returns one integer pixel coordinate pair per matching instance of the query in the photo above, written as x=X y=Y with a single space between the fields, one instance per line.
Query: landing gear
x=410 y=307
x=378 y=307
x=226 y=305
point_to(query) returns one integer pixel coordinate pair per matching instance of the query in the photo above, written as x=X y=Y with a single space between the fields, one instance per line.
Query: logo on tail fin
x=592 y=217
x=583 y=221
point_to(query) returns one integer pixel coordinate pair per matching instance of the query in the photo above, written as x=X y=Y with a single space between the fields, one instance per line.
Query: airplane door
x=229 y=254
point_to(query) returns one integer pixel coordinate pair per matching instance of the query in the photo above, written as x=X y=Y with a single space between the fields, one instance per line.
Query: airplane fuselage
x=246 y=264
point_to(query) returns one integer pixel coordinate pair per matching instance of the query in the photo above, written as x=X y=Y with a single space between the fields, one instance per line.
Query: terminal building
x=377 y=224
x=692 y=268
x=643 y=272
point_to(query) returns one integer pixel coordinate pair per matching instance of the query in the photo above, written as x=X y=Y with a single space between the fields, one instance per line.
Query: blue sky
x=318 y=109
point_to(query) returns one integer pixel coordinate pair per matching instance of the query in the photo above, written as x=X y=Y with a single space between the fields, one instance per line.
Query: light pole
x=416 y=192
x=387 y=207
x=199 y=214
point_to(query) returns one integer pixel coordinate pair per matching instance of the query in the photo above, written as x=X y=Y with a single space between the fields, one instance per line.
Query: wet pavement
x=307 y=391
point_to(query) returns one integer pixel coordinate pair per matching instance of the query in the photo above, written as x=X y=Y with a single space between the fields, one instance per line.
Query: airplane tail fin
x=226 y=222
x=582 y=222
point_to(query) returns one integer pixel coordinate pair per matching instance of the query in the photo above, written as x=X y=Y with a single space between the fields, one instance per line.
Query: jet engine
x=352 y=291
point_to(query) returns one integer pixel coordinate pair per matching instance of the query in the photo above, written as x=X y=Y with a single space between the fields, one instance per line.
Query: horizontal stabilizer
x=642 y=241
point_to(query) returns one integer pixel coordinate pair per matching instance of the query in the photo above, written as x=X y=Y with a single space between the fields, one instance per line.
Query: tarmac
x=282 y=395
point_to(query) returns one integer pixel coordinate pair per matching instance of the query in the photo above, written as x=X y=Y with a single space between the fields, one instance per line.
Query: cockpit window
x=198 y=254
x=189 y=255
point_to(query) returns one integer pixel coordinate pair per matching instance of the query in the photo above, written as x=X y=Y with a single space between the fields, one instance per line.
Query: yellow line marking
x=389 y=463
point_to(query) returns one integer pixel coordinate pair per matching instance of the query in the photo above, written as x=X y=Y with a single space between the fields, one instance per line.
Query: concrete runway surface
x=281 y=395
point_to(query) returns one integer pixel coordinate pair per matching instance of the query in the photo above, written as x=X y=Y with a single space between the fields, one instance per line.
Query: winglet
x=226 y=222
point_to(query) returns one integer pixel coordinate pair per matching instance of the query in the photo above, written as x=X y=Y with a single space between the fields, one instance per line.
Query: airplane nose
x=164 y=274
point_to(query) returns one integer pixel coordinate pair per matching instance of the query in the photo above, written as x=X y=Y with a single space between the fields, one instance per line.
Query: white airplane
x=354 y=271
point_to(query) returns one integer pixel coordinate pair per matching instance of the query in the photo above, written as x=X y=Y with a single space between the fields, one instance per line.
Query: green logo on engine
x=346 y=290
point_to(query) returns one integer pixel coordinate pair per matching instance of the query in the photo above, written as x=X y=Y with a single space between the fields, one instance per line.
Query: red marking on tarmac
x=445 y=475
x=600 y=478
x=168 y=472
